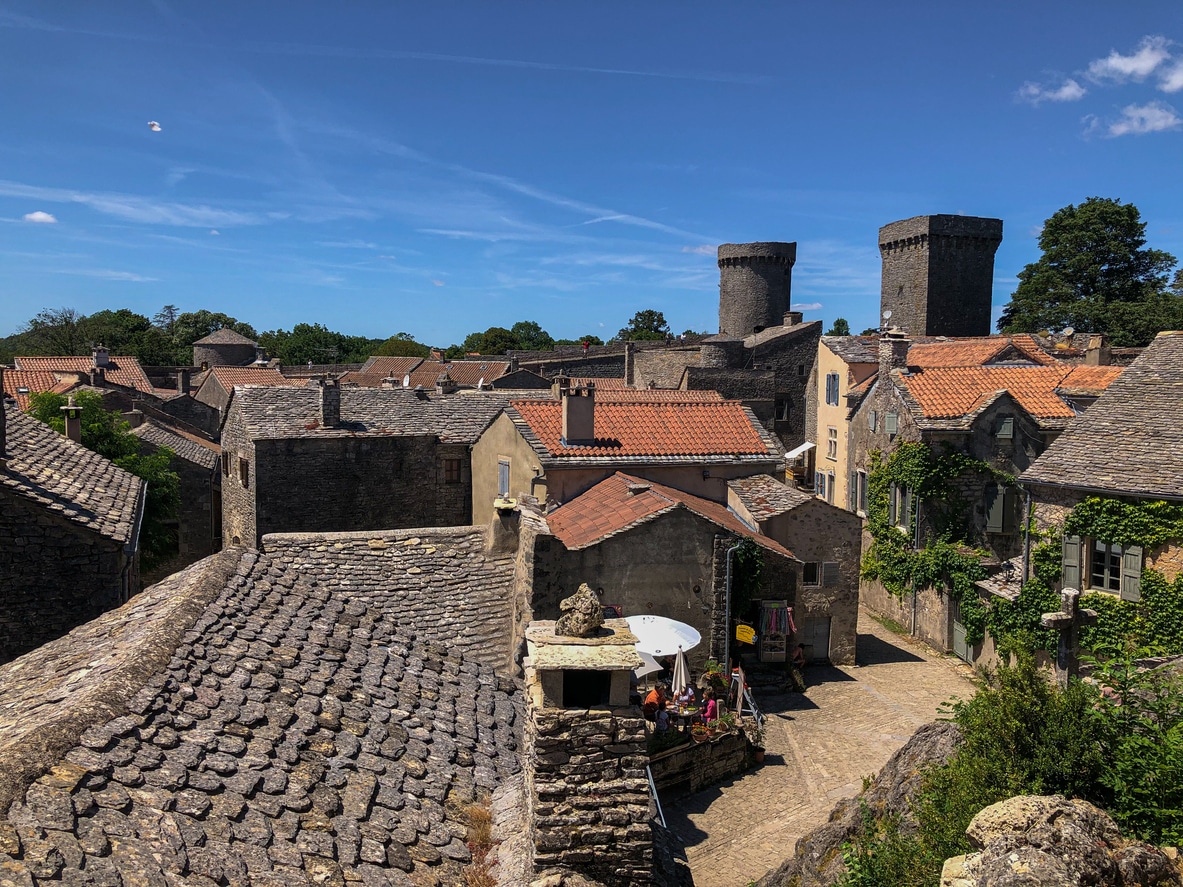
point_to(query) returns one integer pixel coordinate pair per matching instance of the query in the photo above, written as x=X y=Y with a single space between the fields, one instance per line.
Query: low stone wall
x=692 y=767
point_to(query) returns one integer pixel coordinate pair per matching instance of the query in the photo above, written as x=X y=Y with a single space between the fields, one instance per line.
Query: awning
x=799 y=451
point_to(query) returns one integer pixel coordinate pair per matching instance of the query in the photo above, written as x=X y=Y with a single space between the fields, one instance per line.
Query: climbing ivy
x=1138 y=522
x=948 y=561
x=1014 y=625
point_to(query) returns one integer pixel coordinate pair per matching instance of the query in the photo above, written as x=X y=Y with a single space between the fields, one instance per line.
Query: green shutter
x=1071 y=574
x=1131 y=573
x=852 y=492
x=996 y=509
x=891 y=504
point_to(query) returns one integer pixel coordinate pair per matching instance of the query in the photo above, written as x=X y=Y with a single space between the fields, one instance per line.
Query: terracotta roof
x=965 y=352
x=648 y=429
x=765 y=496
x=52 y=471
x=19 y=384
x=225 y=336
x=186 y=445
x=125 y=371
x=601 y=384
x=390 y=366
x=657 y=395
x=949 y=392
x=363 y=380
x=1089 y=380
x=1131 y=439
x=463 y=372
x=228 y=377
x=622 y=501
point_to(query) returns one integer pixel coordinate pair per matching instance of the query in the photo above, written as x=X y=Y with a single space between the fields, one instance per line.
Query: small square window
x=811 y=575
x=451 y=471
x=831 y=442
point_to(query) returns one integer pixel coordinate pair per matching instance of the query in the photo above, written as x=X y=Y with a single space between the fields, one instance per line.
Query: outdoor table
x=684 y=715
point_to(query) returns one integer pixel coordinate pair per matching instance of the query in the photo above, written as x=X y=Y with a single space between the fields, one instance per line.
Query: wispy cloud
x=438 y=283
x=1068 y=91
x=1138 y=65
x=1170 y=79
x=704 y=249
x=15 y=20
x=40 y=218
x=133 y=208
x=347 y=244
x=106 y=274
x=1143 y=119
x=807 y=306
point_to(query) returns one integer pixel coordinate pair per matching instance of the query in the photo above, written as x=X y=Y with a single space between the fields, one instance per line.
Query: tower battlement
x=755 y=285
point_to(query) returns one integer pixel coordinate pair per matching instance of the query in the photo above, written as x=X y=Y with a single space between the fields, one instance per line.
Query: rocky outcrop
x=582 y=614
x=1031 y=841
x=817 y=861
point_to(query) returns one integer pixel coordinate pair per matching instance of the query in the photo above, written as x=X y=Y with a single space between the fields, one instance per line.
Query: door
x=961 y=649
x=816 y=638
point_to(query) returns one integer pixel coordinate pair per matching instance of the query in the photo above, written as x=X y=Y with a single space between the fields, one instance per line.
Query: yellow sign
x=745 y=634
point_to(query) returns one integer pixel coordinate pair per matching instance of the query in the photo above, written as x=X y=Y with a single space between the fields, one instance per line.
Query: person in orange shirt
x=653 y=702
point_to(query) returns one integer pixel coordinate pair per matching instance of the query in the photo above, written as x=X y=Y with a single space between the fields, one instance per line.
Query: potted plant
x=698 y=732
x=712 y=676
x=727 y=722
x=755 y=735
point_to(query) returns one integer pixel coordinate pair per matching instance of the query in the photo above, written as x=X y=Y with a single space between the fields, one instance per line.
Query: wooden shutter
x=891 y=423
x=829 y=573
x=892 y=501
x=1070 y=577
x=1131 y=573
x=996 y=509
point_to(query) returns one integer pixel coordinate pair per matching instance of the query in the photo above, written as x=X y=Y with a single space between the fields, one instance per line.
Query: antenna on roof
x=887 y=314
x=1069 y=331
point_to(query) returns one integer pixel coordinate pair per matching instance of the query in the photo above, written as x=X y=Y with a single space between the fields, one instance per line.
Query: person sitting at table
x=710 y=708
x=655 y=698
x=662 y=720
x=686 y=697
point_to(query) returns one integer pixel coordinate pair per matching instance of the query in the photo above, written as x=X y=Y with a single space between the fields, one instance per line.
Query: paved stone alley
x=819 y=748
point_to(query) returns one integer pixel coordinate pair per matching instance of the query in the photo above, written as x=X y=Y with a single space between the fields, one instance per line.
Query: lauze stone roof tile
x=185 y=445
x=765 y=496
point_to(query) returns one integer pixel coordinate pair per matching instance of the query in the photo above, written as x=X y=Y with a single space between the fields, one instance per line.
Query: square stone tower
x=938 y=274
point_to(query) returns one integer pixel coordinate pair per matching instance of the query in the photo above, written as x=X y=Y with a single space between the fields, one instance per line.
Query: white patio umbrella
x=681 y=678
x=648 y=666
x=659 y=636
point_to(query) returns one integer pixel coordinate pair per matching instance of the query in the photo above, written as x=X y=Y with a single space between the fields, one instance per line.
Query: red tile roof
x=125 y=371
x=1090 y=379
x=949 y=392
x=228 y=377
x=964 y=352
x=463 y=372
x=623 y=501
x=32 y=381
x=650 y=429
x=395 y=367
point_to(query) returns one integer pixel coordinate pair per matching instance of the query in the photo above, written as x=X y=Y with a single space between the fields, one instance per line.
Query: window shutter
x=996 y=509
x=830 y=573
x=852 y=492
x=891 y=423
x=874 y=420
x=1071 y=563
x=1131 y=573
x=1006 y=430
x=892 y=499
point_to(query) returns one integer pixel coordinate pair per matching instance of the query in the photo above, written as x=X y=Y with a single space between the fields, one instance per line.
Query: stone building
x=557 y=448
x=1128 y=447
x=1004 y=412
x=224 y=348
x=755 y=286
x=69 y=533
x=651 y=549
x=217 y=388
x=938 y=274
x=323 y=458
x=828 y=541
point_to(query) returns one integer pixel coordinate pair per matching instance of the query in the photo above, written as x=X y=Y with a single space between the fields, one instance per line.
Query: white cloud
x=807 y=306
x=437 y=283
x=1151 y=53
x=107 y=274
x=1068 y=91
x=1142 y=119
x=41 y=218
x=704 y=249
x=214 y=231
x=132 y=208
x=1171 y=79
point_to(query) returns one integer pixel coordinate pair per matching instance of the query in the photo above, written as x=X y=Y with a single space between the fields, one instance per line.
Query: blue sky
x=438 y=168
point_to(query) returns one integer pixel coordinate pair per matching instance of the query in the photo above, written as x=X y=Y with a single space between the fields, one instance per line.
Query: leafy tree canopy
x=525 y=335
x=317 y=343
x=645 y=325
x=1096 y=275
x=578 y=342
x=531 y=336
x=840 y=327
x=402 y=345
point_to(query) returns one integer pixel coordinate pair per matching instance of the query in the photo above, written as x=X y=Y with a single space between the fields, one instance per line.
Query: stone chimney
x=183 y=381
x=501 y=536
x=579 y=414
x=73 y=414
x=893 y=351
x=390 y=383
x=630 y=363
x=1097 y=352
x=792 y=318
x=445 y=384
x=134 y=418
x=101 y=356
x=559 y=386
x=513 y=364
x=330 y=402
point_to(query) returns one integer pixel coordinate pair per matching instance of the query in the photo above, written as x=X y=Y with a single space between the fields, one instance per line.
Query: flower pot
x=758 y=755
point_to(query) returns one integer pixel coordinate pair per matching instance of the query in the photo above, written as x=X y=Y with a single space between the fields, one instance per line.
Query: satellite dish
x=480 y=386
x=407 y=380
x=887 y=314
x=154 y=126
x=1069 y=330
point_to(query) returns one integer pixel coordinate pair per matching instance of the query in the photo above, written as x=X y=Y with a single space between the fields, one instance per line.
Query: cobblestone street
x=819 y=748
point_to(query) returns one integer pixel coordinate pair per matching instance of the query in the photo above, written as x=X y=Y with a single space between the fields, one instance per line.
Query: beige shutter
x=1071 y=564
x=1131 y=573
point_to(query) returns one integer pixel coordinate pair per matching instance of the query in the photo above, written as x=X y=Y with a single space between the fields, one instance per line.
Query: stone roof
x=185 y=444
x=272 y=413
x=397 y=367
x=125 y=371
x=776 y=332
x=1131 y=439
x=621 y=502
x=243 y=723
x=601 y=384
x=854 y=349
x=764 y=496
x=657 y=395
x=225 y=336
x=646 y=429
x=52 y=471
x=228 y=377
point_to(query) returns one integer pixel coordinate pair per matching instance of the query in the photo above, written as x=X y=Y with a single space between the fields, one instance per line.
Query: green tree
x=494 y=340
x=578 y=342
x=870 y=331
x=317 y=343
x=107 y=434
x=166 y=318
x=1097 y=276
x=402 y=345
x=840 y=327
x=187 y=328
x=55 y=331
x=531 y=337
x=645 y=325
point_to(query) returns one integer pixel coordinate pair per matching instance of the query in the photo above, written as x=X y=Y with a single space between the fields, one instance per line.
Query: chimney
x=445 y=384
x=559 y=386
x=3 y=422
x=98 y=375
x=421 y=392
x=513 y=364
x=183 y=381
x=101 y=356
x=390 y=383
x=330 y=403
x=579 y=410
x=134 y=418
x=792 y=318
x=630 y=363
x=1097 y=352
x=73 y=414
x=893 y=350
x=502 y=534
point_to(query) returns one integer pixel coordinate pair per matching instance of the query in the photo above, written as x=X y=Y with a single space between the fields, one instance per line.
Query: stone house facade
x=217 y=387
x=224 y=347
x=69 y=533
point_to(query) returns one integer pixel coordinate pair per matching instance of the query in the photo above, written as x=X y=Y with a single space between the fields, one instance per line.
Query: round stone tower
x=755 y=280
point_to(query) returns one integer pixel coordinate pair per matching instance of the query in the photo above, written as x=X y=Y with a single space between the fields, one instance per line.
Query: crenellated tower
x=755 y=284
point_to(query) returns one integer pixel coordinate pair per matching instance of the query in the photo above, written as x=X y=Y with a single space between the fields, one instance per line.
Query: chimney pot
x=792 y=318
x=330 y=403
x=579 y=410
x=101 y=356
x=73 y=414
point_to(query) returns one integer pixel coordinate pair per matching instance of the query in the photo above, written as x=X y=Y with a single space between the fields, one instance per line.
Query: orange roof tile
x=622 y=501
x=363 y=380
x=965 y=352
x=650 y=429
x=395 y=367
x=948 y=392
x=463 y=372
x=125 y=371
x=601 y=384
x=228 y=377
x=1090 y=379
x=19 y=384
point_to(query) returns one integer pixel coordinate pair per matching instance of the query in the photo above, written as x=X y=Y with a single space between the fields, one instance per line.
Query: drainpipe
x=727 y=614
x=1026 y=538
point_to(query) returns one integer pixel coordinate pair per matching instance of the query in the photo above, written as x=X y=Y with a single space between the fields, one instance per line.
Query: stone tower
x=755 y=280
x=938 y=274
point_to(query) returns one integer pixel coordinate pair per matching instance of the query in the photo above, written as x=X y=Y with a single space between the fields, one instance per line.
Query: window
x=451 y=471
x=899 y=507
x=891 y=423
x=225 y=464
x=873 y=422
x=1104 y=566
x=819 y=483
x=503 y=478
x=831 y=442
x=1006 y=428
x=862 y=491
x=830 y=487
x=852 y=493
x=832 y=389
x=811 y=574
x=1002 y=509
x=783 y=408
x=800 y=369
x=244 y=472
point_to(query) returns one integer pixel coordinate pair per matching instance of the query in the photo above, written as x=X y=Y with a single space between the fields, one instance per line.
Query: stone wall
x=692 y=767
x=585 y=776
x=55 y=575
x=189 y=409
x=755 y=285
x=663 y=367
x=791 y=357
x=199 y=518
x=225 y=355
x=780 y=579
x=239 y=521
